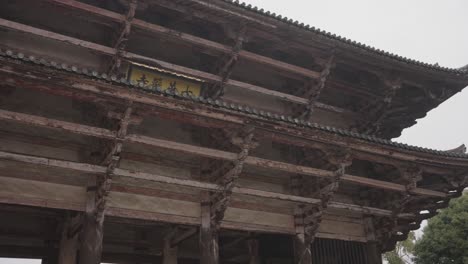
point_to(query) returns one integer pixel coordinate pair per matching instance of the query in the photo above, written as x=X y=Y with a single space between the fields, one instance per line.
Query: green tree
x=403 y=251
x=445 y=238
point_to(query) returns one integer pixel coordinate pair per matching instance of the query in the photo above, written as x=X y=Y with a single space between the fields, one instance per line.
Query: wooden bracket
x=310 y=216
x=120 y=44
x=111 y=160
x=313 y=93
x=220 y=200
x=379 y=109
x=229 y=62
x=411 y=174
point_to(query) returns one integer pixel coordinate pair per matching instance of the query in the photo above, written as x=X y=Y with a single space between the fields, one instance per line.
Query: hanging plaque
x=153 y=79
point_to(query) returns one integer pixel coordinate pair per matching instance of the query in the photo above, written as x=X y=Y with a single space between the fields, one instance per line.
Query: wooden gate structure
x=197 y=131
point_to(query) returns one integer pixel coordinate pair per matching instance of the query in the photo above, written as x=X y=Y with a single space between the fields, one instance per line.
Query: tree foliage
x=445 y=238
x=403 y=251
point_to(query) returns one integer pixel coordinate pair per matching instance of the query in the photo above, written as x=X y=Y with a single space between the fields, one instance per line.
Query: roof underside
x=219 y=104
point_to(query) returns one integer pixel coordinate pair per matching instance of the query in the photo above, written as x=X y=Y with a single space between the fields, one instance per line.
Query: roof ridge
x=344 y=40
x=221 y=104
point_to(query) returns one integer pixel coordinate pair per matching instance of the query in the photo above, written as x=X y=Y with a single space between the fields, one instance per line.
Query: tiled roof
x=349 y=42
x=220 y=104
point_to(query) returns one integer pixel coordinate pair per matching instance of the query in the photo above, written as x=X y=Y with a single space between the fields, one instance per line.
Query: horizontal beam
x=162 y=64
x=206 y=117
x=188 y=38
x=95 y=169
x=214 y=153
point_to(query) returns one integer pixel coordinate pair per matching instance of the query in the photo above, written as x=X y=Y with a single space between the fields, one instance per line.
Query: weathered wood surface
x=208 y=240
x=169 y=33
x=283 y=134
x=68 y=247
x=212 y=153
x=182 y=182
x=93 y=230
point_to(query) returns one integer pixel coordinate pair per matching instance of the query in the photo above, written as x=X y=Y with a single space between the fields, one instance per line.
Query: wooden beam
x=95 y=169
x=208 y=118
x=197 y=41
x=212 y=153
x=155 y=62
x=98 y=190
x=56 y=124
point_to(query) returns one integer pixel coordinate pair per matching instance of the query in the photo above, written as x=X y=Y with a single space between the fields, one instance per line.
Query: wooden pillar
x=374 y=255
x=208 y=234
x=301 y=243
x=253 y=245
x=302 y=253
x=170 y=253
x=50 y=256
x=91 y=238
x=68 y=247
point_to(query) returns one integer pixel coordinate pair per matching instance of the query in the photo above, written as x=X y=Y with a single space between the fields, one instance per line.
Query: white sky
x=427 y=30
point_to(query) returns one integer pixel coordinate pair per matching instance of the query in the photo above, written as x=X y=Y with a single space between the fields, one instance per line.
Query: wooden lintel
x=190 y=183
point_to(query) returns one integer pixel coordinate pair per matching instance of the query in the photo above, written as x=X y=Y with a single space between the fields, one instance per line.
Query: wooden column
x=91 y=238
x=208 y=234
x=50 y=256
x=169 y=253
x=97 y=192
x=301 y=244
x=68 y=247
x=373 y=253
x=254 y=255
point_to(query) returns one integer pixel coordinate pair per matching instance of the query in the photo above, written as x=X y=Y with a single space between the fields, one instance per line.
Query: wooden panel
x=154 y=204
x=19 y=188
x=260 y=218
x=343 y=228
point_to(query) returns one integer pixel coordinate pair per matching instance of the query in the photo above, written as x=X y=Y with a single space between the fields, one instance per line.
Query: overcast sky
x=427 y=30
